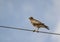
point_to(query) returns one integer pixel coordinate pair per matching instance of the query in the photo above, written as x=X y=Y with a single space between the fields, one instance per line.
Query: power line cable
x=29 y=30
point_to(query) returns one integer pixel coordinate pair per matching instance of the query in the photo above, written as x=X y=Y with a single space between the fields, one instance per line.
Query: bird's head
x=30 y=17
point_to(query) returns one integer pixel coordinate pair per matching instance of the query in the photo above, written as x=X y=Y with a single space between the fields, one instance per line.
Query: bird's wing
x=36 y=21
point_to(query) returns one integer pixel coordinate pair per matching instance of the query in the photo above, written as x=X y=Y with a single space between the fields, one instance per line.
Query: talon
x=33 y=30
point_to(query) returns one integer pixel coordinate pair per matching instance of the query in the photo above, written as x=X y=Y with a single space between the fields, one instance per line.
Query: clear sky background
x=15 y=13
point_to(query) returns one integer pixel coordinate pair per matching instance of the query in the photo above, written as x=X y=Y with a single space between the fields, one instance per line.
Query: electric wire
x=29 y=30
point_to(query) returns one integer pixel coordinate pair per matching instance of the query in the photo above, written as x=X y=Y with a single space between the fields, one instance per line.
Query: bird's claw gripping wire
x=35 y=31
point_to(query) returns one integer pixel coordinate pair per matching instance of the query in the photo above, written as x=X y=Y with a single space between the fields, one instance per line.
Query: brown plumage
x=37 y=23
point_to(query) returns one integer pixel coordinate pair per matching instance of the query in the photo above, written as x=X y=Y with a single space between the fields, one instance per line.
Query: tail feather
x=47 y=27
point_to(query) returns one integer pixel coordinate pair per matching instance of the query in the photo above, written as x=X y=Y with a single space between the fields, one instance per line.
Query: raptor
x=37 y=24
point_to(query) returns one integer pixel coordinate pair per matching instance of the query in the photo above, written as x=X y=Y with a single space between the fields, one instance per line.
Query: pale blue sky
x=15 y=13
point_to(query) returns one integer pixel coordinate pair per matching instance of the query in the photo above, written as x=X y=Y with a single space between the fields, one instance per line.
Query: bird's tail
x=46 y=27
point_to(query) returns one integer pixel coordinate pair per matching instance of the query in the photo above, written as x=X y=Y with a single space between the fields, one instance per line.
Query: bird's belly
x=39 y=26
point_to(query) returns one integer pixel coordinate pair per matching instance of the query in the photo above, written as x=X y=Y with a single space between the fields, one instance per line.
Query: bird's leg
x=34 y=30
x=37 y=30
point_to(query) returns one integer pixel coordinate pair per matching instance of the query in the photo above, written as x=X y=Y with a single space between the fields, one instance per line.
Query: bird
x=38 y=24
